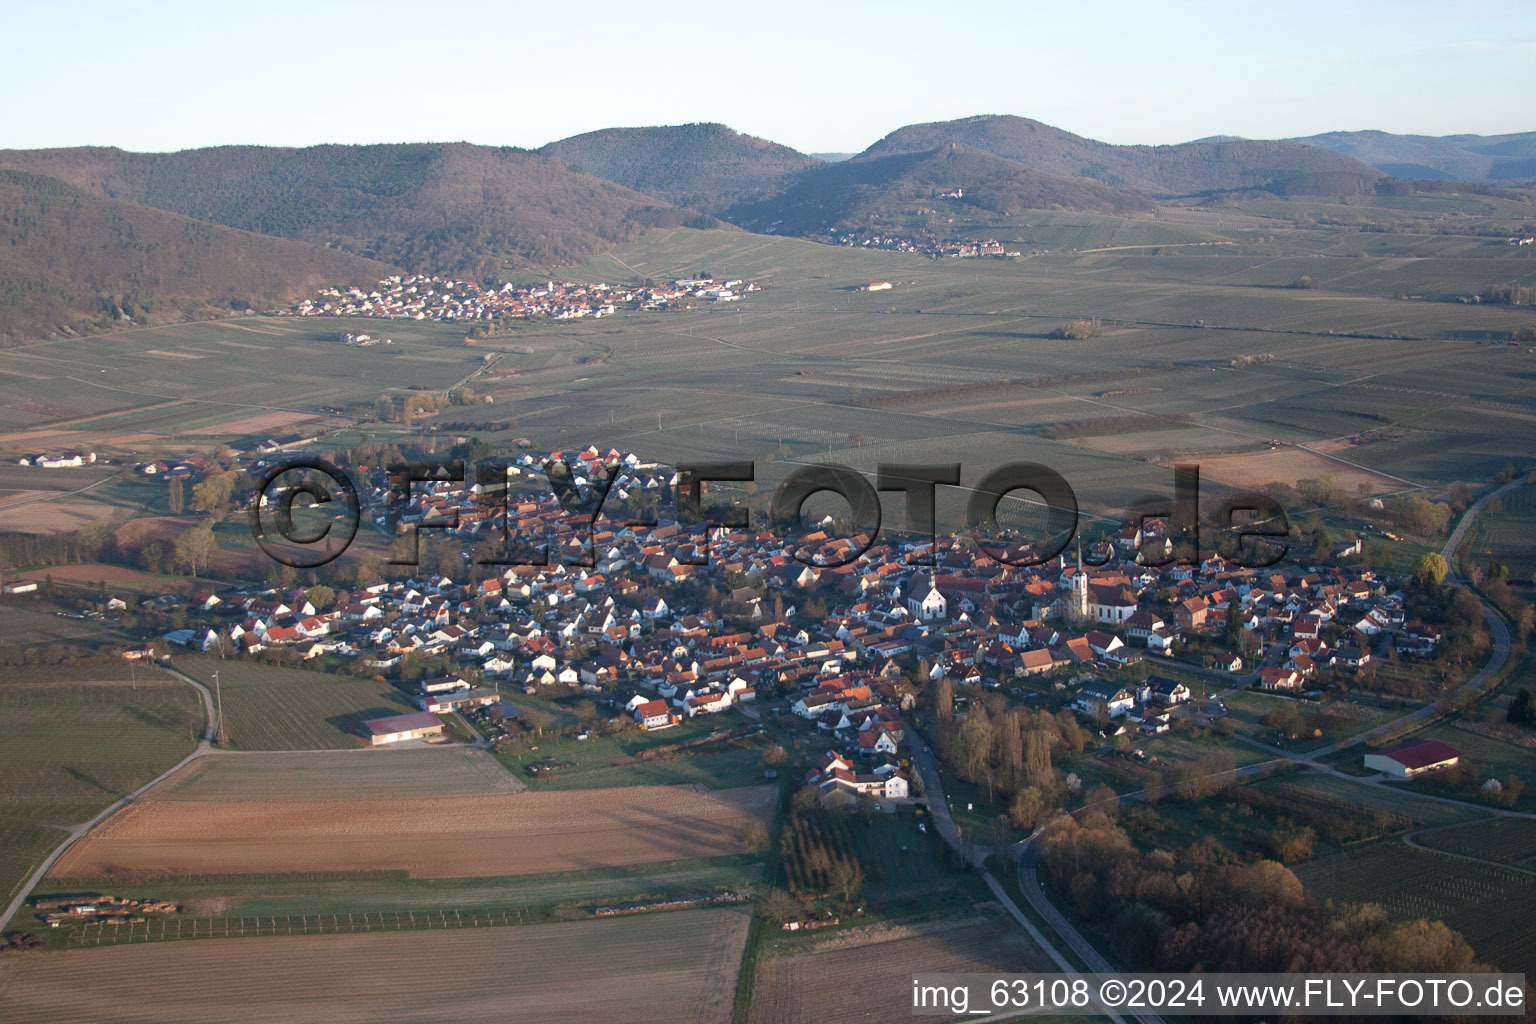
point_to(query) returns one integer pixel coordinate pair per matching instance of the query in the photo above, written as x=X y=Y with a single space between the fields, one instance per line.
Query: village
x=665 y=623
x=928 y=245
x=426 y=297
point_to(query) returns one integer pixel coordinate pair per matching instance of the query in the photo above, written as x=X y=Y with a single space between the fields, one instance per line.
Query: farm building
x=399 y=728
x=460 y=700
x=1409 y=759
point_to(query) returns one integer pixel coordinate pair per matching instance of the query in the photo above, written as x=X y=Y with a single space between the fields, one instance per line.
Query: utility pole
x=218 y=698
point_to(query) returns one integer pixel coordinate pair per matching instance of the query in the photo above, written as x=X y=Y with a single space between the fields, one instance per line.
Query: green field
x=74 y=740
x=618 y=759
x=272 y=708
x=1509 y=535
x=1493 y=758
x=1334 y=792
x=1509 y=840
x=1489 y=905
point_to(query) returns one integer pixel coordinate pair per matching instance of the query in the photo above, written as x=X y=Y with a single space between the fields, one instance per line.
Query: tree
x=973 y=744
x=754 y=838
x=1037 y=759
x=1522 y=710
x=321 y=596
x=1010 y=752
x=1430 y=569
x=944 y=713
x=212 y=493
x=1027 y=808
x=780 y=907
x=194 y=546
x=997 y=836
x=775 y=755
x=845 y=877
x=1076 y=330
x=1103 y=799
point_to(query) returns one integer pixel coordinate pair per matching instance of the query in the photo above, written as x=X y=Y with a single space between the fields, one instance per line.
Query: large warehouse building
x=399 y=728
x=1415 y=758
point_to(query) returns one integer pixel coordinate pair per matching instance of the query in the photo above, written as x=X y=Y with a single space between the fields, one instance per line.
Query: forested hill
x=1453 y=157
x=868 y=192
x=453 y=208
x=1183 y=169
x=705 y=167
x=72 y=261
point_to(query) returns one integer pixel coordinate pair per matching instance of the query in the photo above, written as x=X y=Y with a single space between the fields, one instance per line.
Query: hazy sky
x=823 y=76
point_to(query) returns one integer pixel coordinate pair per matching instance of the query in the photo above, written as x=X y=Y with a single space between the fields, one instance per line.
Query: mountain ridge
x=72 y=260
x=1185 y=168
x=703 y=166
x=1465 y=157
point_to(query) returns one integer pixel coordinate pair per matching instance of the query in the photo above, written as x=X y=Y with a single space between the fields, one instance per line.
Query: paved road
x=944 y=822
x=75 y=832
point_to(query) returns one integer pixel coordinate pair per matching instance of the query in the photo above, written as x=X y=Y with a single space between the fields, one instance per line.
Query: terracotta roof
x=1422 y=753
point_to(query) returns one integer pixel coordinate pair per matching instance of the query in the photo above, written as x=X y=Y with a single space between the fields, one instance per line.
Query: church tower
x=1079 y=607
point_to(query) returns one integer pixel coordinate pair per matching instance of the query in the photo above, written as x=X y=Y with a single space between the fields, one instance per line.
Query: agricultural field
x=72 y=741
x=1489 y=905
x=662 y=968
x=638 y=759
x=1399 y=809
x=1321 y=723
x=23 y=626
x=382 y=774
x=434 y=837
x=267 y=707
x=151 y=390
x=1509 y=840
x=815 y=985
x=236 y=904
x=1365 y=378
x=1493 y=758
x=1506 y=535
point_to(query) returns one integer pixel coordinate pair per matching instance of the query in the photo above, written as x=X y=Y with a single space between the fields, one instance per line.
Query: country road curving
x=77 y=832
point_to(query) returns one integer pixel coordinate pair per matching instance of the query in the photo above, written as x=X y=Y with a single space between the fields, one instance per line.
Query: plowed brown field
x=650 y=969
x=447 y=837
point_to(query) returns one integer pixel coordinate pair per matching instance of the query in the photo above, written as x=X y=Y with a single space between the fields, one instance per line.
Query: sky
x=820 y=77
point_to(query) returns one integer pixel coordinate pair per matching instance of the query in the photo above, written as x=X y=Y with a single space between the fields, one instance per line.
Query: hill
x=1183 y=169
x=705 y=167
x=875 y=190
x=73 y=261
x=442 y=208
x=1456 y=157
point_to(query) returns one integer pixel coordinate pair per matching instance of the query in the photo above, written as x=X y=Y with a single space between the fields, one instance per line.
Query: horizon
x=293 y=76
x=1218 y=137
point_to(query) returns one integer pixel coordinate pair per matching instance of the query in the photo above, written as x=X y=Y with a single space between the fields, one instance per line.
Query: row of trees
x=1007 y=751
x=1169 y=914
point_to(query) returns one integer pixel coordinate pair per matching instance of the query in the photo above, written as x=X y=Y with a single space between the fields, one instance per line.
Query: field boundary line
x=78 y=832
